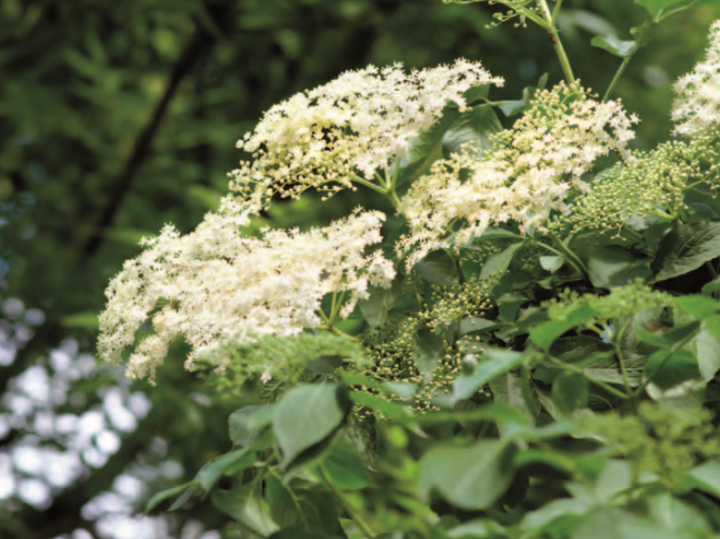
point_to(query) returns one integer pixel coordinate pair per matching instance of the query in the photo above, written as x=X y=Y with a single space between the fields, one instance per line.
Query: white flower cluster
x=358 y=124
x=215 y=285
x=697 y=101
x=525 y=176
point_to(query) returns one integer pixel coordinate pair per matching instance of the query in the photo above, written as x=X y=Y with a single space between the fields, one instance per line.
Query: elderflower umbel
x=697 y=104
x=357 y=125
x=217 y=285
x=524 y=176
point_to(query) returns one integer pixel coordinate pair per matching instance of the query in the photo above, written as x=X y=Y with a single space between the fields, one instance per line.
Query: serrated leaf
x=472 y=477
x=614 y=45
x=685 y=249
x=307 y=415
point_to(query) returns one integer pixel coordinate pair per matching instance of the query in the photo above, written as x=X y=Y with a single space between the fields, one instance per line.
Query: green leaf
x=666 y=373
x=660 y=9
x=508 y=388
x=511 y=108
x=472 y=477
x=213 y=470
x=546 y=333
x=247 y=507
x=556 y=516
x=345 y=467
x=299 y=533
x=614 y=45
x=494 y=362
x=427 y=147
x=498 y=263
x=439 y=268
x=615 y=478
x=303 y=508
x=612 y=266
x=473 y=324
x=700 y=307
x=685 y=249
x=473 y=130
x=570 y=392
x=379 y=404
x=705 y=477
x=678 y=515
x=168 y=493
x=427 y=351
x=246 y=424
x=707 y=350
x=375 y=308
x=476 y=529
x=606 y=522
x=552 y=263
x=326 y=365
x=307 y=415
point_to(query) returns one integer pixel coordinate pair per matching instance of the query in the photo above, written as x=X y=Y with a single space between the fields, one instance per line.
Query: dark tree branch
x=198 y=47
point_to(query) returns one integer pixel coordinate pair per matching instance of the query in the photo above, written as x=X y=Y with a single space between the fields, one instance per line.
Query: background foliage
x=116 y=118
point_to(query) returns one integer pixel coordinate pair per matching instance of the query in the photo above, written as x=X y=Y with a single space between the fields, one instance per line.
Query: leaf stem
x=617 y=76
x=555 y=38
x=362 y=181
x=556 y=11
x=351 y=511
x=618 y=353
x=570 y=256
x=578 y=370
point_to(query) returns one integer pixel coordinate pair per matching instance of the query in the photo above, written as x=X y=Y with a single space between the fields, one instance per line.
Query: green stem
x=555 y=38
x=618 y=352
x=362 y=181
x=351 y=511
x=617 y=76
x=556 y=11
x=607 y=387
x=393 y=197
x=570 y=256
x=712 y=270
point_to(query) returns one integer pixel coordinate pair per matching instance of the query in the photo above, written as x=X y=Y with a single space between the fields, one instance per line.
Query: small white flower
x=697 y=102
x=215 y=284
